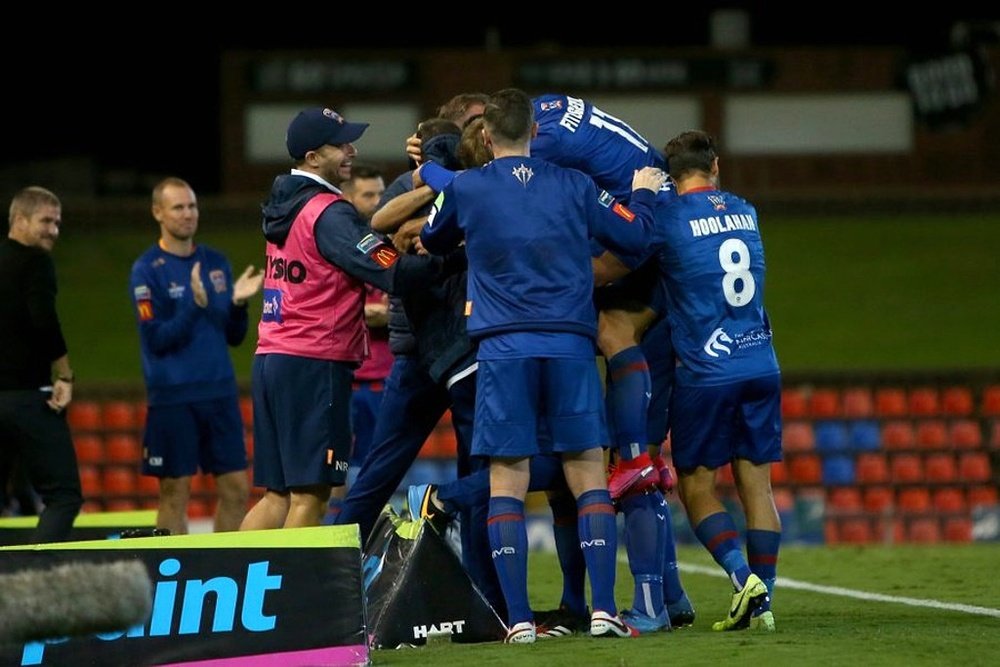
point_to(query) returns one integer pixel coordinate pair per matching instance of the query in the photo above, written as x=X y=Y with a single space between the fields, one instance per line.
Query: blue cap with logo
x=317 y=127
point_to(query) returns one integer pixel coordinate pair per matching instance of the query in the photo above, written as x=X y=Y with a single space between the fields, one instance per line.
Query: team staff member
x=36 y=379
x=312 y=334
x=189 y=312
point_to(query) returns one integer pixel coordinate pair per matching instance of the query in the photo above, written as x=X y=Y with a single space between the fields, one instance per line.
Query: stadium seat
x=925 y=530
x=838 y=470
x=831 y=436
x=965 y=434
x=118 y=415
x=724 y=476
x=958 y=529
x=957 y=402
x=845 y=500
x=890 y=402
x=941 y=468
x=794 y=404
x=906 y=468
x=914 y=500
x=865 y=435
x=858 y=403
x=798 y=437
x=974 y=467
x=949 y=500
x=855 y=531
x=779 y=473
x=198 y=509
x=121 y=505
x=898 y=435
x=995 y=434
x=89 y=448
x=122 y=448
x=879 y=499
x=924 y=402
x=932 y=434
x=84 y=416
x=91 y=507
x=118 y=480
x=90 y=481
x=445 y=419
x=148 y=485
x=824 y=404
x=806 y=469
x=442 y=443
x=784 y=500
x=831 y=529
x=991 y=401
x=872 y=468
x=248 y=441
x=141 y=409
x=246 y=411
x=982 y=495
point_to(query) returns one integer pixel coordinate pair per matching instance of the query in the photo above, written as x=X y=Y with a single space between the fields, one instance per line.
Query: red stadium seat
x=991 y=401
x=856 y=531
x=925 y=402
x=982 y=495
x=831 y=530
x=958 y=529
x=824 y=404
x=89 y=448
x=779 y=473
x=90 y=481
x=798 y=437
x=806 y=469
x=724 y=476
x=845 y=500
x=890 y=402
x=248 y=441
x=879 y=499
x=118 y=415
x=784 y=500
x=995 y=434
x=941 y=468
x=198 y=509
x=858 y=403
x=906 y=468
x=84 y=416
x=872 y=468
x=92 y=507
x=914 y=500
x=122 y=505
x=119 y=480
x=148 y=485
x=957 y=402
x=898 y=435
x=974 y=467
x=925 y=530
x=141 y=409
x=949 y=500
x=932 y=434
x=246 y=410
x=965 y=434
x=123 y=448
x=794 y=404
x=445 y=419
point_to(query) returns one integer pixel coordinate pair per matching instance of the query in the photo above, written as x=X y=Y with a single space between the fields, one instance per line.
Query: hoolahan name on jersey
x=719 y=224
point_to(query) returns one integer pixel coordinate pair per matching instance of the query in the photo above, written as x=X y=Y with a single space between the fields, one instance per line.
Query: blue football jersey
x=574 y=133
x=712 y=258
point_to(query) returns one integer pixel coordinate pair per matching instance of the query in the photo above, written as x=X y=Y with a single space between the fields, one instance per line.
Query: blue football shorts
x=181 y=439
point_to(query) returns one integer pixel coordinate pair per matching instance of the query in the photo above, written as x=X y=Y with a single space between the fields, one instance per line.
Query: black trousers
x=40 y=438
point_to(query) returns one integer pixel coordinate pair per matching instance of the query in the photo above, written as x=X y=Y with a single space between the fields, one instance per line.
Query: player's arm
x=396 y=211
x=608 y=268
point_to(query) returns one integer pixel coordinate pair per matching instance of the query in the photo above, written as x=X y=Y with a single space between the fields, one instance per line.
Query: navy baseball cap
x=317 y=127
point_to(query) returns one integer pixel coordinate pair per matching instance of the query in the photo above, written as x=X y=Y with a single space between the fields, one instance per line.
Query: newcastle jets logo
x=715 y=343
x=523 y=174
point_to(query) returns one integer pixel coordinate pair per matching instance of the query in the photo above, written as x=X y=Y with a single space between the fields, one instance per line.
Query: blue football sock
x=762 y=555
x=719 y=535
x=644 y=539
x=571 y=562
x=629 y=388
x=672 y=588
x=509 y=544
x=599 y=542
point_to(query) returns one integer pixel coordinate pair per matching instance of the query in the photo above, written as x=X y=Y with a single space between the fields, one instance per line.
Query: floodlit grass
x=813 y=628
x=844 y=294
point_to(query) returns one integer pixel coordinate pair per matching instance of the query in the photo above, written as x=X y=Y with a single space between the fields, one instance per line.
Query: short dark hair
x=693 y=150
x=432 y=127
x=510 y=115
x=364 y=170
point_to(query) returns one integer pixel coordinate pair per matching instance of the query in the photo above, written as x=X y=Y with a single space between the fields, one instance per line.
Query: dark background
x=146 y=97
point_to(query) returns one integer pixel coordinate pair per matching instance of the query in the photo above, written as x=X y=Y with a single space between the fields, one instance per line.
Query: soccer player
x=726 y=404
x=526 y=225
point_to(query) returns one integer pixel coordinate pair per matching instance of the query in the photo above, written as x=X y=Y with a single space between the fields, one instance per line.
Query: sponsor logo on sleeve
x=622 y=212
x=142 y=292
x=218 y=278
x=605 y=199
x=145 y=309
x=385 y=256
x=366 y=244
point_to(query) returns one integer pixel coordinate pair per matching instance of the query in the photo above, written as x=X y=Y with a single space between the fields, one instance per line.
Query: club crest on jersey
x=605 y=199
x=718 y=203
x=218 y=278
x=175 y=291
x=523 y=174
x=622 y=212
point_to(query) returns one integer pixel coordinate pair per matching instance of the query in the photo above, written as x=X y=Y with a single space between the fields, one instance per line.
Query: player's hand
x=650 y=178
x=413 y=148
x=62 y=394
x=198 y=287
x=248 y=284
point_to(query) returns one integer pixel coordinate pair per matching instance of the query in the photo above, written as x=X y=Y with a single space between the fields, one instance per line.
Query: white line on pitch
x=785 y=582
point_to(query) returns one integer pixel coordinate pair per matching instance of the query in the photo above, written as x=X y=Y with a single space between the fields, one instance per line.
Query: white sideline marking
x=785 y=582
